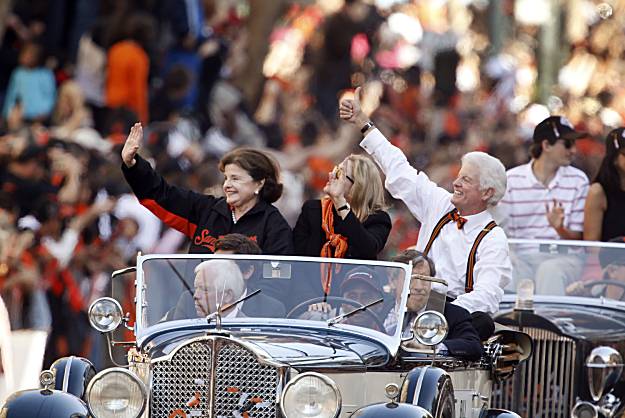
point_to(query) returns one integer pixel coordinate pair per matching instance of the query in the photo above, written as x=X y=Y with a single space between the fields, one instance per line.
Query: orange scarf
x=335 y=246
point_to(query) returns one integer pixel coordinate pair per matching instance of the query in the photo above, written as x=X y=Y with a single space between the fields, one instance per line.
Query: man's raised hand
x=132 y=144
x=350 y=110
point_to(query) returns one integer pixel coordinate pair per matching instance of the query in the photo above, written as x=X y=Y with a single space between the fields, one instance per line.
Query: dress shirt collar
x=479 y=220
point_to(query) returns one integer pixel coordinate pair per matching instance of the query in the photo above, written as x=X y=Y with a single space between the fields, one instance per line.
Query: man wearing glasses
x=545 y=200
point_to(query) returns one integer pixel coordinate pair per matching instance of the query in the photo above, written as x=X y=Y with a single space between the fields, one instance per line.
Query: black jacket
x=205 y=218
x=462 y=340
x=364 y=240
x=259 y=305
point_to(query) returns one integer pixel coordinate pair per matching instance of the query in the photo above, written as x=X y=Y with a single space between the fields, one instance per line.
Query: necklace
x=234 y=219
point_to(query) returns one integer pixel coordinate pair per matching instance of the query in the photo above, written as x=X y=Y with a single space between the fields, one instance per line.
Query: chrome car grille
x=184 y=384
x=543 y=385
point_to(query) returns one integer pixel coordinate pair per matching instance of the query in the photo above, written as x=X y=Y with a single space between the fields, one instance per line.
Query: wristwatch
x=366 y=127
x=344 y=207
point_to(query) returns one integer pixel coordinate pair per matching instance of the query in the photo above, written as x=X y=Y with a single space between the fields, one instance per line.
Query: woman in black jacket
x=350 y=222
x=250 y=187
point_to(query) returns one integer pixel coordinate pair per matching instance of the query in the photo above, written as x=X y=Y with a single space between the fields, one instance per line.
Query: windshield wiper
x=217 y=314
x=341 y=317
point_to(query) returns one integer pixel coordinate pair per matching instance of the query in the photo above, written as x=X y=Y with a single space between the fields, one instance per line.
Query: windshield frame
x=510 y=296
x=142 y=331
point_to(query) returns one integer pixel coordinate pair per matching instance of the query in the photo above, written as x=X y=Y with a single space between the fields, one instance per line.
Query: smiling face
x=239 y=187
x=468 y=196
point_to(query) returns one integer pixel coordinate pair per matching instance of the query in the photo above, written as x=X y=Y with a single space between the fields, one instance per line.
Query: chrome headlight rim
x=320 y=376
x=104 y=373
x=91 y=314
x=584 y=404
x=443 y=324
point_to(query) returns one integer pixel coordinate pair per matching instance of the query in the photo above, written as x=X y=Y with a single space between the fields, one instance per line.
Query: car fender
x=72 y=375
x=44 y=403
x=498 y=413
x=430 y=388
x=391 y=410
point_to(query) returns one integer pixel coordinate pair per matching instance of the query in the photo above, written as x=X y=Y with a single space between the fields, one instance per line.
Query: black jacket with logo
x=205 y=218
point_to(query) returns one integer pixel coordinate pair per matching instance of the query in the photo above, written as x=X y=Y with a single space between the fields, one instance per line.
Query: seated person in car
x=612 y=262
x=221 y=282
x=361 y=285
x=462 y=339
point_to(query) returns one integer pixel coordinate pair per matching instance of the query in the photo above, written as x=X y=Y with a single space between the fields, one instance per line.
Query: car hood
x=299 y=348
x=585 y=319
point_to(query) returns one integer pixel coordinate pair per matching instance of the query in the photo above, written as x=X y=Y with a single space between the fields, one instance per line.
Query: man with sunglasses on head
x=545 y=200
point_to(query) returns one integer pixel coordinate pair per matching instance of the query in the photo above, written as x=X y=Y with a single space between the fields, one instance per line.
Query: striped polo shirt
x=523 y=206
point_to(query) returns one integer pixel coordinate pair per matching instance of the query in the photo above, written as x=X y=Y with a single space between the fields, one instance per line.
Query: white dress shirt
x=450 y=251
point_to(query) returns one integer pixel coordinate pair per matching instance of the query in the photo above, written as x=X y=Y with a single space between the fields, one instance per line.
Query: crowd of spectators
x=76 y=75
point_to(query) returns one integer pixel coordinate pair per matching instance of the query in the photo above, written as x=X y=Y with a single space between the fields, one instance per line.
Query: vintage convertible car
x=568 y=296
x=256 y=336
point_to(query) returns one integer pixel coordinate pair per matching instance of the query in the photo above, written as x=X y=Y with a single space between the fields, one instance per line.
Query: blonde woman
x=350 y=221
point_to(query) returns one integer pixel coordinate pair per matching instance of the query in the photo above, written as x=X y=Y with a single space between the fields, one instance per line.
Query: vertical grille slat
x=240 y=382
x=547 y=378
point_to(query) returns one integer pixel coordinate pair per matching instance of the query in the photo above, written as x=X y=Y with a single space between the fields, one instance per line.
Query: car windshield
x=341 y=293
x=568 y=268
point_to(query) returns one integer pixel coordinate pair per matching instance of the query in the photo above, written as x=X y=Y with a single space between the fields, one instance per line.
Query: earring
x=256 y=192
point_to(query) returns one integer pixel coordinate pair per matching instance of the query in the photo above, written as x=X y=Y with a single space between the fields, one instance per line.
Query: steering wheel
x=606 y=282
x=335 y=302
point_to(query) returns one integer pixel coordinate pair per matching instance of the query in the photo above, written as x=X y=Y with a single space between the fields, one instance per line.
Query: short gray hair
x=492 y=173
x=223 y=274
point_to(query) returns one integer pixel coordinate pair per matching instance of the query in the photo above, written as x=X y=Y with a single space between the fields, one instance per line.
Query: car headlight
x=430 y=328
x=116 y=393
x=311 y=395
x=105 y=314
x=584 y=409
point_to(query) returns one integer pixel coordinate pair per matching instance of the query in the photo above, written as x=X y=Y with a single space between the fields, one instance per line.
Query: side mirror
x=605 y=366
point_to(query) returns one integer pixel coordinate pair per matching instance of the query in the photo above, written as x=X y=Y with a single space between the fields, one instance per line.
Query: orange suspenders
x=468 y=283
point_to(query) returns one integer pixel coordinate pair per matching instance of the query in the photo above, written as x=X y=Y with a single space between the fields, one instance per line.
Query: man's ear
x=545 y=144
x=487 y=194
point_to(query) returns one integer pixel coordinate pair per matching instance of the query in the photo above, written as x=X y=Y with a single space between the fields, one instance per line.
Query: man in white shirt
x=545 y=200
x=217 y=282
x=457 y=231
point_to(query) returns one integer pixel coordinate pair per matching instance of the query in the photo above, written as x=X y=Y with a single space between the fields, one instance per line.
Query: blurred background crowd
x=440 y=77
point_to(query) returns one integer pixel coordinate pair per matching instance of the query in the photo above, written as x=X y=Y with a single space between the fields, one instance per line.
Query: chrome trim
x=586 y=404
x=563 y=242
x=391 y=342
x=216 y=347
x=326 y=379
x=68 y=367
x=547 y=378
x=417 y=389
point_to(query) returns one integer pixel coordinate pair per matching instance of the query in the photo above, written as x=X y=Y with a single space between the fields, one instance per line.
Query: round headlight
x=584 y=409
x=311 y=395
x=116 y=393
x=430 y=328
x=105 y=314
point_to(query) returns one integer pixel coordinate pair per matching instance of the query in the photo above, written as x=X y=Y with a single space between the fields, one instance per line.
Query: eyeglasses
x=568 y=143
x=337 y=173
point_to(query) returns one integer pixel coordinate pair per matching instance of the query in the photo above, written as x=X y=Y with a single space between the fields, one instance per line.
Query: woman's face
x=345 y=176
x=239 y=187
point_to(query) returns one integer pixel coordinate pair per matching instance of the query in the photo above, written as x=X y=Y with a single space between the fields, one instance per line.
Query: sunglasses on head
x=337 y=174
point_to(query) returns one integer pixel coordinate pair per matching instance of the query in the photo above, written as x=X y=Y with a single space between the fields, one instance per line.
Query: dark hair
x=608 y=176
x=536 y=149
x=416 y=257
x=260 y=167
x=238 y=244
